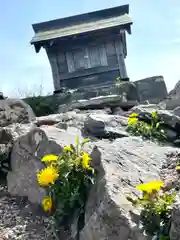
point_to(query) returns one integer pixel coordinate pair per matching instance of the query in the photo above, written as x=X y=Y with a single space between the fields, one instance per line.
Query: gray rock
x=152 y=89
x=106 y=126
x=23 y=182
x=170 y=119
x=175 y=224
x=176 y=111
x=8 y=135
x=113 y=133
x=122 y=164
x=94 y=124
x=171 y=103
x=14 y=111
x=97 y=111
x=171 y=178
x=125 y=163
x=62 y=120
x=117 y=111
x=26 y=157
x=175 y=92
x=171 y=134
x=25 y=162
x=100 y=102
x=129 y=89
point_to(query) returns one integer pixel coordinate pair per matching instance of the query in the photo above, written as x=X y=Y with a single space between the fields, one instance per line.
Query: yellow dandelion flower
x=47 y=204
x=178 y=168
x=47 y=176
x=132 y=121
x=68 y=149
x=150 y=186
x=133 y=115
x=49 y=158
x=85 y=161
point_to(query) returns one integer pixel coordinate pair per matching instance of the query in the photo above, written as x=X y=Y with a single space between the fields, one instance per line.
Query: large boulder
x=95 y=123
x=106 y=126
x=121 y=164
x=176 y=111
x=130 y=90
x=8 y=135
x=32 y=145
x=26 y=157
x=170 y=103
x=175 y=92
x=14 y=111
x=100 y=102
x=152 y=89
x=71 y=118
x=125 y=163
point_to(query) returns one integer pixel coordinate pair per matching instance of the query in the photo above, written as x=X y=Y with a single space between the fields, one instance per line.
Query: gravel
x=20 y=220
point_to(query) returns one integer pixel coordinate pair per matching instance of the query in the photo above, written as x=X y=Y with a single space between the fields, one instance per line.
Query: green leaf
x=157 y=124
x=92 y=180
x=77 y=144
x=86 y=140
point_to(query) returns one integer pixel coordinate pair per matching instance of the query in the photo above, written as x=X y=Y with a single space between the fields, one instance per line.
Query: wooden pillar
x=120 y=58
x=54 y=68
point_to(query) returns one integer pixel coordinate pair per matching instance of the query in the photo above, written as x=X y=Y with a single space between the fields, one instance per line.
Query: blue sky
x=153 y=47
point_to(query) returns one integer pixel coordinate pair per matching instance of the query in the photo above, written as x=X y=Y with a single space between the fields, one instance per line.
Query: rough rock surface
x=8 y=135
x=20 y=220
x=170 y=103
x=175 y=92
x=176 y=111
x=99 y=103
x=152 y=89
x=122 y=162
x=14 y=111
x=106 y=126
x=30 y=147
x=126 y=162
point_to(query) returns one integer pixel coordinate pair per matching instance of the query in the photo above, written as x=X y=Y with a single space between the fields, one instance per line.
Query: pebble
x=18 y=221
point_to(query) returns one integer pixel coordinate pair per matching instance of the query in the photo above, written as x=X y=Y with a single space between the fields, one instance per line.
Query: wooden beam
x=87 y=72
x=54 y=68
x=120 y=57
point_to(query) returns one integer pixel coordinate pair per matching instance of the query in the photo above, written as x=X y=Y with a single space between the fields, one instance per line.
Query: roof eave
x=40 y=43
x=124 y=9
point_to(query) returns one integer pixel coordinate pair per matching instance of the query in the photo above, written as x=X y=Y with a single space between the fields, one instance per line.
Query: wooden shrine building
x=87 y=49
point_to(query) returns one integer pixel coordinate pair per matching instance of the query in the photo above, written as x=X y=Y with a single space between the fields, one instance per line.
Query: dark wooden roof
x=83 y=23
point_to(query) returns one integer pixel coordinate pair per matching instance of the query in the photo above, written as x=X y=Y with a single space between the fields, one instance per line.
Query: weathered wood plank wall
x=121 y=62
x=88 y=59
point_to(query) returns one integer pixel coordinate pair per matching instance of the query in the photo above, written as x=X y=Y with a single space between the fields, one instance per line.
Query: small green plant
x=151 y=129
x=156 y=207
x=118 y=81
x=42 y=105
x=67 y=179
